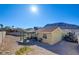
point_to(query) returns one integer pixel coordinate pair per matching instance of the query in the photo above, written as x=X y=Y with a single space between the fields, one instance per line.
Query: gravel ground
x=10 y=45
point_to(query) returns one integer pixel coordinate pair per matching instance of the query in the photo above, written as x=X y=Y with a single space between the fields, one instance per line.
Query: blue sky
x=21 y=15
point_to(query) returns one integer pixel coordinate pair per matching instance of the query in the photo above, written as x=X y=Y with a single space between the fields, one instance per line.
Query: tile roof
x=46 y=29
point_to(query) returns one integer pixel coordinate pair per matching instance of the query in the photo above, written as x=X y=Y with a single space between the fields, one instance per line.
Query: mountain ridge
x=62 y=25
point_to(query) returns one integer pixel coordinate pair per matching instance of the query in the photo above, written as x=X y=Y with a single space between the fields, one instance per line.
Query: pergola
x=26 y=35
x=22 y=34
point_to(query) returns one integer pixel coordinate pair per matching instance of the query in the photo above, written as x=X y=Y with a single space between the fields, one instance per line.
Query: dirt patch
x=10 y=44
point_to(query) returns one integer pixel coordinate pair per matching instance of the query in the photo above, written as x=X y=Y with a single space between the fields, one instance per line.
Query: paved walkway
x=62 y=48
x=65 y=48
x=37 y=50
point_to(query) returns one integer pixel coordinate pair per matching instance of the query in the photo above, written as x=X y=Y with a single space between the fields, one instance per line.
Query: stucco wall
x=49 y=38
x=2 y=35
x=57 y=36
x=52 y=37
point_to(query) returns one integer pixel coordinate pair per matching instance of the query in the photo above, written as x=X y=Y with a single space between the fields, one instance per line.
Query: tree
x=12 y=26
x=71 y=37
x=35 y=28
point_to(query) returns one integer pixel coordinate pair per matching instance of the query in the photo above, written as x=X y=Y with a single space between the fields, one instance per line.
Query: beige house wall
x=49 y=37
x=57 y=35
x=52 y=37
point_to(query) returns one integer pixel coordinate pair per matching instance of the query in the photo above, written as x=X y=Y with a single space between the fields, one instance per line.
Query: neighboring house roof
x=71 y=30
x=30 y=30
x=20 y=30
x=47 y=29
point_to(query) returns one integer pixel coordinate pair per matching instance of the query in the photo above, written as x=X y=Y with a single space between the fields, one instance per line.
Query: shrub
x=71 y=37
x=23 y=50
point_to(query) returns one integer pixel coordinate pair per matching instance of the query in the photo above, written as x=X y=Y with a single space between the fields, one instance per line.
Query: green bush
x=23 y=50
x=71 y=37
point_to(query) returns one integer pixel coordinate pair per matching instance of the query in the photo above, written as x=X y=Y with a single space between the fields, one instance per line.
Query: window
x=45 y=36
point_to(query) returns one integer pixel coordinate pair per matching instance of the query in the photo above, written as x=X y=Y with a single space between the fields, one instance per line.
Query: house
x=66 y=28
x=50 y=35
x=2 y=35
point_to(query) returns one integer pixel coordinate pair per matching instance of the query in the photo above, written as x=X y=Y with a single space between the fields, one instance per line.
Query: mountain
x=62 y=25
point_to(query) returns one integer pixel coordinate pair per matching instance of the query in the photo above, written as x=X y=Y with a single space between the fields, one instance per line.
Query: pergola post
x=22 y=36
